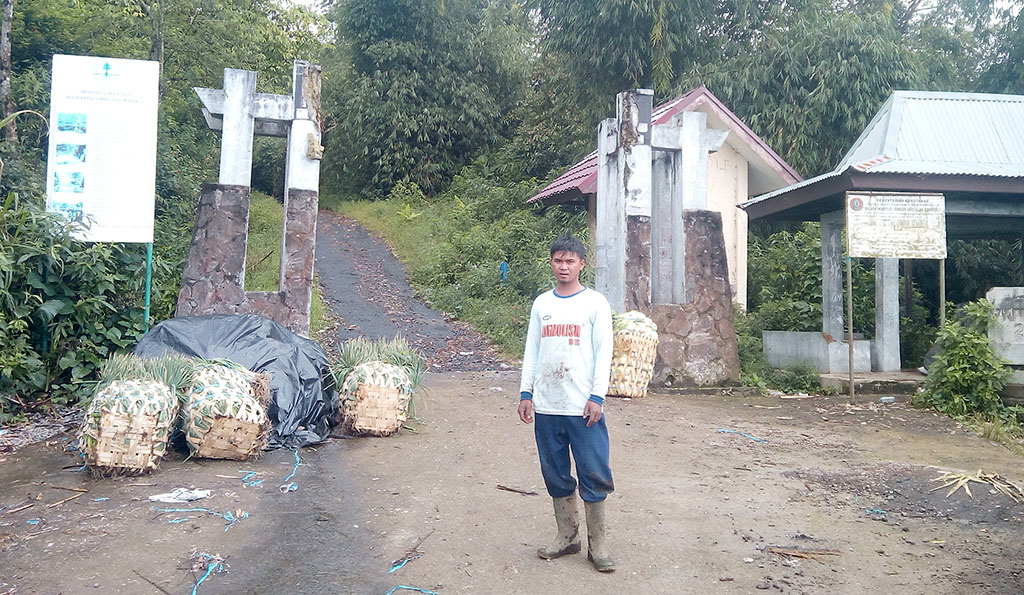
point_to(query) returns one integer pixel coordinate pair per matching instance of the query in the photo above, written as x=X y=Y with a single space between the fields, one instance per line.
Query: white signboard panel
x=101 y=166
x=895 y=225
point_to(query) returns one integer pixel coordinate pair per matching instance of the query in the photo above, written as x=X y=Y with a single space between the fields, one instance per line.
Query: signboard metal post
x=892 y=225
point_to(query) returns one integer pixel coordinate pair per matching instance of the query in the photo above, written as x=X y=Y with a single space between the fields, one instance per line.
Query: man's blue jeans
x=557 y=435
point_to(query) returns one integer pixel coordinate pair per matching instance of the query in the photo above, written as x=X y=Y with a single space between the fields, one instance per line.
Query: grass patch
x=263 y=254
x=263 y=249
x=318 y=320
x=1006 y=432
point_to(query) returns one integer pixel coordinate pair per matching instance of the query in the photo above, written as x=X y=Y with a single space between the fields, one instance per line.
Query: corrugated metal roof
x=579 y=178
x=767 y=168
x=927 y=132
x=787 y=189
x=935 y=133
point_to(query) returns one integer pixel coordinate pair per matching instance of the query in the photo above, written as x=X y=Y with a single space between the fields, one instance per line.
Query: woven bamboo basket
x=634 y=351
x=375 y=399
x=377 y=410
x=126 y=427
x=226 y=416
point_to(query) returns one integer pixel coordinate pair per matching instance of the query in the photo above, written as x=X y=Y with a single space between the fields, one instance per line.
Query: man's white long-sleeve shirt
x=568 y=352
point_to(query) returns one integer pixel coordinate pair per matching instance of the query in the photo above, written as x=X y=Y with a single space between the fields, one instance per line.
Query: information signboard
x=101 y=165
x=895 y=225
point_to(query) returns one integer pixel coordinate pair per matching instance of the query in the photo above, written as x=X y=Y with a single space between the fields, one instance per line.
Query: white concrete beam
x=609 y=241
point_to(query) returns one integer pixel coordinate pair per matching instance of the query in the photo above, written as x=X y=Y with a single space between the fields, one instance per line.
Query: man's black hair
x=568 y=243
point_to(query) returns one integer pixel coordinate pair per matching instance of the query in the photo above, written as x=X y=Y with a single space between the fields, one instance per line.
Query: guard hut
x=743 y=167
x=967 y=146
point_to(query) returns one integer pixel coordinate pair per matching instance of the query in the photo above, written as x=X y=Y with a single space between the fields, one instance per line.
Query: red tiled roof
x=581 y=179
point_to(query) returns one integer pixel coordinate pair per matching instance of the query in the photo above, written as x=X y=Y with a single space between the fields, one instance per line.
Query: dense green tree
x=425 y=84
x=810 y=85
x=1004 y=72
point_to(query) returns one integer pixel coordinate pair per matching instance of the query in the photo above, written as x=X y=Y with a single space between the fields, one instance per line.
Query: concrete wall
x=727 y=187
x=1007 y=334
x=784 y=348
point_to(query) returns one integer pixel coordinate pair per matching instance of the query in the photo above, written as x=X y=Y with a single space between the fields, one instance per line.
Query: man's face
x=566 y=266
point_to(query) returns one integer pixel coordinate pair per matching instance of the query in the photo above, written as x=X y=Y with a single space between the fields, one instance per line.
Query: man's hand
x=592 y=412
x=526 y=411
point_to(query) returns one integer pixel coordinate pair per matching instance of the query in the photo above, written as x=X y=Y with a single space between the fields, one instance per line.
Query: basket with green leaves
x=132 y=413
x=377 y=381
x=635 y=347
x=225 y=412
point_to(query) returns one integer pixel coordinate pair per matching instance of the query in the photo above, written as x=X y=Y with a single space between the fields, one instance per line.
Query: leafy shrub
x=966 y=375
x=795 y=378
x=784 y=282
x=64 y=306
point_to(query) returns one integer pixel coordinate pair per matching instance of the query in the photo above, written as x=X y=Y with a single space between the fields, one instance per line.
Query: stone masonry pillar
x=214 y=283
x=698 y=339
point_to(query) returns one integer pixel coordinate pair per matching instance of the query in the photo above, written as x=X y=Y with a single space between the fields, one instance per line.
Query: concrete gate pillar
x=659 y=250
x=832 y=319
x=213 y=280
x=885 y=355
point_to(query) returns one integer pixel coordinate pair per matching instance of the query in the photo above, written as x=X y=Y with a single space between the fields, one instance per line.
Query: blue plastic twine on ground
x=291 y=486
x=408 y=588
x=227 y=516
x=210 y=569
x=248 y=481
x=404 y=561
x=744 y=434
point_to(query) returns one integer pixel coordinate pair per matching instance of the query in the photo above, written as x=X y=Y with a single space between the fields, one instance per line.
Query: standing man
x=565 y=377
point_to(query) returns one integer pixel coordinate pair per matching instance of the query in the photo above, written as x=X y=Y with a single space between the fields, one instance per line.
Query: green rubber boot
x=568 y=539
x=597 y=531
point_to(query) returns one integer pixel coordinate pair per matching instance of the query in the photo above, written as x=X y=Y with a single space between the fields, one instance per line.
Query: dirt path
x=696 y=508
x=706 y=488
x=366 y=288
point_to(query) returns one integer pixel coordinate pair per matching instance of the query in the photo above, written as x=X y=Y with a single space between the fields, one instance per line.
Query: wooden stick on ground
x=416 y=547
x=517 y=491
x=162 y=590
x=795 y=552
x=68 y=499
x=22 y=507
x=82 y=490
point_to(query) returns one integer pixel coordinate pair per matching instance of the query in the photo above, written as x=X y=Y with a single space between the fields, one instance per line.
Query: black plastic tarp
x=305 y=398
